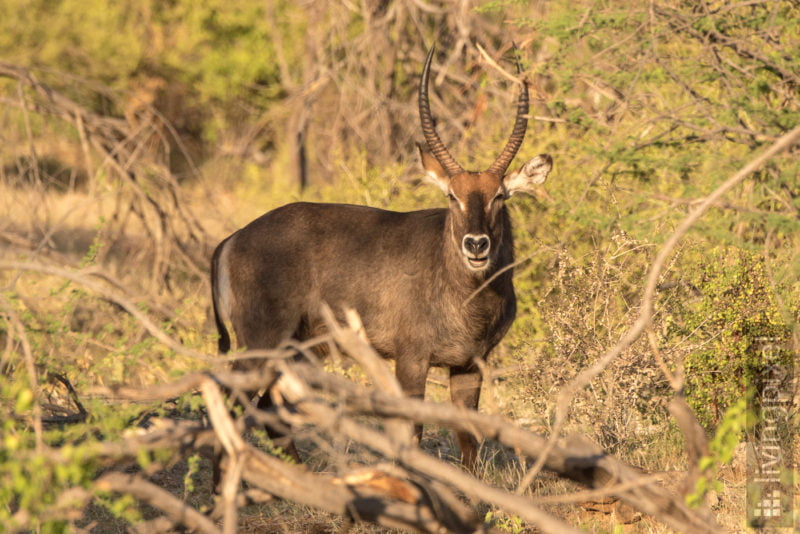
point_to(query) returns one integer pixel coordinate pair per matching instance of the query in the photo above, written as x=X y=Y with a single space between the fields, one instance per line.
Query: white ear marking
x=434 y=172
x=435 y=179
x=533 y=173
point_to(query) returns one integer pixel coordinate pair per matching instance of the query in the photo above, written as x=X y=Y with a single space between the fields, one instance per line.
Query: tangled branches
x=147 y=187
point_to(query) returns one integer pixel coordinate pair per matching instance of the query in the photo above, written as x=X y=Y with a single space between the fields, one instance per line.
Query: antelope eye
x=451 y=196
x=500 y=196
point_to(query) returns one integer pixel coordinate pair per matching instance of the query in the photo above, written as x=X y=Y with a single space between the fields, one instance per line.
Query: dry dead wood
x=577 y=459
x=385 y=494
x=172 y=229
x=417 y=491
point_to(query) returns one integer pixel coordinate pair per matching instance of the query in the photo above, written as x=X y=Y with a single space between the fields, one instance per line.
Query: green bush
x=734 y=309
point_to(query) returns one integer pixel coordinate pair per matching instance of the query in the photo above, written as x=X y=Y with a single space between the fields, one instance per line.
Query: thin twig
x=516 y=80
x=30 y=366
x=497 y=273
x=123 y=301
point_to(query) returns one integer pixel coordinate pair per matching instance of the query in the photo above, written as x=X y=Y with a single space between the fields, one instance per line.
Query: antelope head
x=478 y=218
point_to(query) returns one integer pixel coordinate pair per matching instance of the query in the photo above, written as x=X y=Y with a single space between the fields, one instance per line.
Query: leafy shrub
x=733 y=311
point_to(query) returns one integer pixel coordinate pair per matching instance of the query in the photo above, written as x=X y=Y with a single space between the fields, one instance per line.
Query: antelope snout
x=476 y=245
x=476 y=250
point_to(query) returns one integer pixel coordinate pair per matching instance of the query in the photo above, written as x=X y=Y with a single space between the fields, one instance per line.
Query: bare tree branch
x=577 y=460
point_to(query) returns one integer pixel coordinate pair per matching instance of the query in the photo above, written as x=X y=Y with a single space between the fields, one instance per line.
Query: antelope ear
x=434 y=172
x=529 y=175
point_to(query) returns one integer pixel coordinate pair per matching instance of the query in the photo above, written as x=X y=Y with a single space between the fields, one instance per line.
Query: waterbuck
x=433 y=287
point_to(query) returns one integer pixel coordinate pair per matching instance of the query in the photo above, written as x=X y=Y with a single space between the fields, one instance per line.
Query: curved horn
x=435 y=144
x=515 y=141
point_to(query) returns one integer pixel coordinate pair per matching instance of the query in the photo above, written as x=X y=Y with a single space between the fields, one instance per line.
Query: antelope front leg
x=465 y=391
x=412 y=373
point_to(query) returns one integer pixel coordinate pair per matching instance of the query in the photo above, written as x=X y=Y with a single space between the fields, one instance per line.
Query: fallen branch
x=578 y=459
x=369 y=494
x=307 y=387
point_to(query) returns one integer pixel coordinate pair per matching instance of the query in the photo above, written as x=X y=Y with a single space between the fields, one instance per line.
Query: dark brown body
x=432 y=287
x=394 y=269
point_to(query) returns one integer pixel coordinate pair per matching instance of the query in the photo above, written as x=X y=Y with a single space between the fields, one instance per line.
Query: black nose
x=477 y=245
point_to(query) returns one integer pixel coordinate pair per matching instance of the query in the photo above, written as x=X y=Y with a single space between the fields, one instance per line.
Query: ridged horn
x=518 y=135
x=435 y=144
